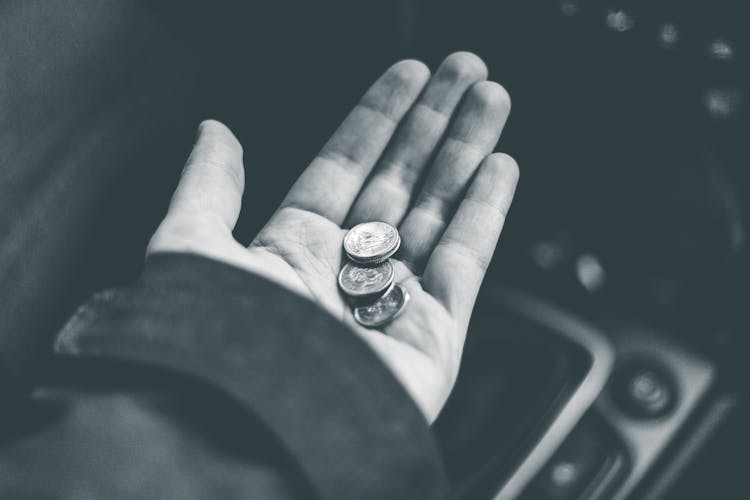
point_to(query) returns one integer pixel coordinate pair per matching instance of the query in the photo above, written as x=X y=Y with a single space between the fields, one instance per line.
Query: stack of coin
x=368 y=278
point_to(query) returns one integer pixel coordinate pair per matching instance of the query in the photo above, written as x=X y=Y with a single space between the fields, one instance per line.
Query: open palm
x=414 y=152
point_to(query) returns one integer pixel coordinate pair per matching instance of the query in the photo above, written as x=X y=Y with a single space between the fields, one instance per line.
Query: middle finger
x=472 y=136
x=388 y=192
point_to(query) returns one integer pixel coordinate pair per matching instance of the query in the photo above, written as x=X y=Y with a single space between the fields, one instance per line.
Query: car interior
x=606 y=358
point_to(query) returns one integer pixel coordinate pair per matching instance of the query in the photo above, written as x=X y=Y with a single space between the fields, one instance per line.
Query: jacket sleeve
x=203 y=366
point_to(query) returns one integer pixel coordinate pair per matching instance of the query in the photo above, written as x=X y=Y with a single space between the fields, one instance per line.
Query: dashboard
x=629 y=121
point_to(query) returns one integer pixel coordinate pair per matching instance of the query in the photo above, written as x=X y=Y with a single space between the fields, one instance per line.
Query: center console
x=549 y=407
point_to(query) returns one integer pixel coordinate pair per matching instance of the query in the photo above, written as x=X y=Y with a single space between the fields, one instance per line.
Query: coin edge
x=396 y=245
x=406 y=299
x=361 y=295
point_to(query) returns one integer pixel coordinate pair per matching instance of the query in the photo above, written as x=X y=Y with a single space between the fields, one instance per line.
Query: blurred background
x=630 y=224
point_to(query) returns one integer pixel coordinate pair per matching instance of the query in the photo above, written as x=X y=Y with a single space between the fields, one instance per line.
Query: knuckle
x=232 y=170
x=217 y=149
x=463 y=66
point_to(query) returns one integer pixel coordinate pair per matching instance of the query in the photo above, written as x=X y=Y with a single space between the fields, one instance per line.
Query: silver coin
x=384 y=309
x=371 y=242
x=360 y=281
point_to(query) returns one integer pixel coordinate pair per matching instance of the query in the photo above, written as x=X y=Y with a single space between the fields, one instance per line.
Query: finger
x=388 y=192
x=459 y=261
x=472 y=136
x=208 y=197
x=332 y=181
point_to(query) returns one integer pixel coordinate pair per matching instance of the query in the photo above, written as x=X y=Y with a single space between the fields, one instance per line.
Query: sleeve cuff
x=332 y=404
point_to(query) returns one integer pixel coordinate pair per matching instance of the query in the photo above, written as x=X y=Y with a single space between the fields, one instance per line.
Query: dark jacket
x=203 y=381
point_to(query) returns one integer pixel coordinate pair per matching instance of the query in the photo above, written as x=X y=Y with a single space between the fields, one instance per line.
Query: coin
x=360 y=281
x=384 y=309
x=371 y=243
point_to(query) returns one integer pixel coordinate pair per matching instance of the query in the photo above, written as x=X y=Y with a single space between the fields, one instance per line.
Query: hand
x=415 y=152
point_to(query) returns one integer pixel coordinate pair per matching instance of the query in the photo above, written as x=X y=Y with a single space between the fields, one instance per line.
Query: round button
x=619 y=20
x=720 y=49
x=644 y=389
x=669 y=36
x=564 y=474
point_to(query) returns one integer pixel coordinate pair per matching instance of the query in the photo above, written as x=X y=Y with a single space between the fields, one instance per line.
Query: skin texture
x=416 y=152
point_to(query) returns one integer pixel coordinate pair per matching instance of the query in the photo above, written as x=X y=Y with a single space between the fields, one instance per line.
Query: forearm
x=204 y=354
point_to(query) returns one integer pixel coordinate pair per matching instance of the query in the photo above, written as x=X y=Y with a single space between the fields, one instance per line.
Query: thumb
x=208 y=198
x=213 y=179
